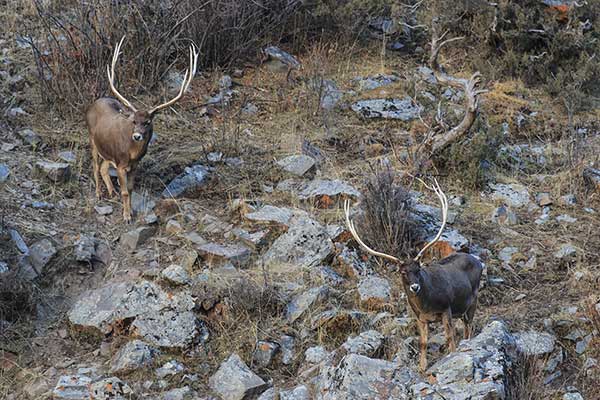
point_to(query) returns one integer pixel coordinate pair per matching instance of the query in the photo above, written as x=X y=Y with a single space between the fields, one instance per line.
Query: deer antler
x=470 y=86
x=187 y=79
x=111 y=76
x=444 y=201
x=352 y=229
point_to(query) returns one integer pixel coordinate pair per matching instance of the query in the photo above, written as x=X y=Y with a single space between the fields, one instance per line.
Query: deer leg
x=104 y=167
x=95 y=163
x=122 y=173
x=468 y=318
x=449 y=330
x=423 y=332
x=131 y=179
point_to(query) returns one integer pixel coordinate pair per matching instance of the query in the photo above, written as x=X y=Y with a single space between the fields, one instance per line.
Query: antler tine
x=444 y=201
x=111 y=76
x=187 y=79
x=352 y=229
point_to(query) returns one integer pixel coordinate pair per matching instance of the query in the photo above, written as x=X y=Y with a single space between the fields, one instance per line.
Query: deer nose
x=137 y=136
x=415 y=287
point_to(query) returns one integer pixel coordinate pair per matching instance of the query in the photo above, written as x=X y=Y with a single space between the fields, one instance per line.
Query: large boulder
x=235 y=381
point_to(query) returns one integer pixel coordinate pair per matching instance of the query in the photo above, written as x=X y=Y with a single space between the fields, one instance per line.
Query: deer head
x=410 y=270
x=142 y=120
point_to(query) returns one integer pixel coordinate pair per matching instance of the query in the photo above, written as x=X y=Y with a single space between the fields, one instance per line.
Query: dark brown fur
x=447 y=289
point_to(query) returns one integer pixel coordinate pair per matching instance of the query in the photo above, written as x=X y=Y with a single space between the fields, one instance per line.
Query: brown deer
x=438 y=292
x=119 y=133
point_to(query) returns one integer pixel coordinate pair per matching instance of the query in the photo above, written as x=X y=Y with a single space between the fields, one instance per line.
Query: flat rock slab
x=513 y=194
x=56 y=172
x=298 y=164
x=235 y=381
x=271 y=215
x=322 y=191
x=133 y=356
x=368 y=344
x=282 y=56
x=167 y=328
x=105 y=309
x=304 y=301
x=216 y=254
x=533 y=343
x=360 y=377
x=403 y=109
x=375 y=81
x=188 y=183
x=304 y=245
x=374 y=292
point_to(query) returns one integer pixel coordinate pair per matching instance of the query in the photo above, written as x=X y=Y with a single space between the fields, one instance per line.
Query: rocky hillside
x=238 y=277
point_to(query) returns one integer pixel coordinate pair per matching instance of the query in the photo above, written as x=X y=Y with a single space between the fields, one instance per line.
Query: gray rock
x=85 y=248
x=30 y=138
x=329 y=91
x=18 y=241
x=133 y=356
x=566 y=251
x=67 y=156
x=56 y=172
x=533 y=343
x=582 y=345
x=369 y=343
x=383 y=24
x=269 y=394
x=427 y=74
x=271 y=215
x=170 y=368
x=567 y=200
x=504 y=216
x=40 y=254
x=3 y=268
x=360 y=377
x=374 y=292
x=506 y=254
x=216 y=254
x=566 y=219
x=133 y=239
x=4 y=173
x=142 y=204
x=298 y=393
x=376 y=81
x=250 y=109
x=265 y=353
x=288 y=349
x=543 y=199
x=183 y=393
x=72 y=387
x=315 y=355
x=102 y=308
x=298 y=164
x=591 y=177
x=110 y=388
x=402 y=109
x=188 y=183
x=513 y=194
x=176 y=274
x=282 y=56
x=235 y=381
x=305 y=244
x=104 y=210
x=254 y=240
x=304 y=301
x=174 y=329
x=332 y=188
x=573 y=396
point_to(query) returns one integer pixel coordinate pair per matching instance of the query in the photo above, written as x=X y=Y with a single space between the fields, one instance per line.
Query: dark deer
x=438 y=292
x=119 y=133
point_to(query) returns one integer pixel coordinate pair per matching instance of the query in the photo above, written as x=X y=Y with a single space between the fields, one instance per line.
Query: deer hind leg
x=449 y=330
x=104 y=167
x=96 y=165
x=467 y=319
x=122 y=173
x=423 y=332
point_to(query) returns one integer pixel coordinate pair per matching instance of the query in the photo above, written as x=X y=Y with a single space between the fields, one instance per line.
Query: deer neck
x=419 y=301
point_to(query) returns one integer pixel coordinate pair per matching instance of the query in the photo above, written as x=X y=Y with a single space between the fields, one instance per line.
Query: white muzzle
x=137 y=137
x=415 y=287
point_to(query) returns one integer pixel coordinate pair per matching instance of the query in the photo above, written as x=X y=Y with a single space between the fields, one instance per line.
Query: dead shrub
x=17 y=297
x=388 y=224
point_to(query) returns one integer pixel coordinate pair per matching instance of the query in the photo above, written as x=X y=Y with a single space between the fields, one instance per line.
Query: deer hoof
x=127 y=218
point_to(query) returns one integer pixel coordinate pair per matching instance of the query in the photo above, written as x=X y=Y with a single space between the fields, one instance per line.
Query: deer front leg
x=449 y=330
x=95 y=163
x=122 y=173
x=131 y=178
x=423 y=332
x=104 y=167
